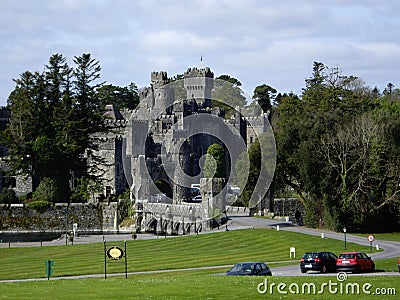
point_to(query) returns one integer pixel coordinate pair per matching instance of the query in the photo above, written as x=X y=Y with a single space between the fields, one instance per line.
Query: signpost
x=49 y=268
x=371 y=238
x=114 y=254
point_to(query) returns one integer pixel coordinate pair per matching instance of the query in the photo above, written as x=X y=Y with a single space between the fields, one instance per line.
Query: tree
x=120 y=97
x=214 y=164
x=337 y=151
x=227 y=94
x=264 y=95
x=363 y=170
x=53 y=118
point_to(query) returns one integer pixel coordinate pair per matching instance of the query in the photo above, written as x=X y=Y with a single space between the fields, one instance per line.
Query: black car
x=250 y=269
x=318 y=261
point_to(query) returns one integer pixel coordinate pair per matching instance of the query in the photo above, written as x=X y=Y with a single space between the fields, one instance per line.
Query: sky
x=257 y=42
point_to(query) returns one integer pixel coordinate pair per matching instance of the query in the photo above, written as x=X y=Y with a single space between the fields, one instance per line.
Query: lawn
x=216 y=249
x=192 y=285
x=392 y=236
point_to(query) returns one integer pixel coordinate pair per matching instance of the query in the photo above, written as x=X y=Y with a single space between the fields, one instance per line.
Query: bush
x=46 y=191
x=7 y=196
x=40 y=205
x=313 y=216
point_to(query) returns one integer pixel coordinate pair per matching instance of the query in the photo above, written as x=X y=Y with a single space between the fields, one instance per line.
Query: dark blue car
x=250 y=269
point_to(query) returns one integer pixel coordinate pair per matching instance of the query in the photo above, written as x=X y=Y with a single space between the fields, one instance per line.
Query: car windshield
x=346 y=255
x=242 y=268
x=311 y=255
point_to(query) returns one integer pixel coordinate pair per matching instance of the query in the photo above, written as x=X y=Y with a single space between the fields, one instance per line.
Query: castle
x=157 y=149
x=174 y=122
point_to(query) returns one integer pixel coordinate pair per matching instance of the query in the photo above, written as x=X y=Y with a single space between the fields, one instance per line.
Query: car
x=197 y=199
x=398 y=264
x=322 y=261
x=250 y=269
x=354 y=262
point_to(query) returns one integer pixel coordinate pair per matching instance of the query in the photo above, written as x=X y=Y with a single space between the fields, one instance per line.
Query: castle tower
x=198 y=84
x=163 y=94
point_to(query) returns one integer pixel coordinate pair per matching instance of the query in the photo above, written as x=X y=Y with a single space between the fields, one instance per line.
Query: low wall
x=62 y=216
x=290 y=207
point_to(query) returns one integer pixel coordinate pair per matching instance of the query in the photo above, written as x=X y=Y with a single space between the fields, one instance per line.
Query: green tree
x=53 y=118
x=264 y=95
x=214 y=164
x=333 y=150
x=120 y=97
x=227 y=94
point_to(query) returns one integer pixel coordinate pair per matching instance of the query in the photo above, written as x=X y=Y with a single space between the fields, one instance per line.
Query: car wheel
x=303 y=270
x=324 y=269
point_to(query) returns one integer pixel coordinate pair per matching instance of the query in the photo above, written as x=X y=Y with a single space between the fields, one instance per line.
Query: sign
x=49 y=268
x=371 y=238
x=115 y=253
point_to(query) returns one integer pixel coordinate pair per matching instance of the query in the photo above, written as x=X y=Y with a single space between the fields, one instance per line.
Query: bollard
x=322 y=235
x=277 y=227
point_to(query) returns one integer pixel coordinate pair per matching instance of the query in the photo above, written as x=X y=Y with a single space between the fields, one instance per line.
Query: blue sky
x=272 y=42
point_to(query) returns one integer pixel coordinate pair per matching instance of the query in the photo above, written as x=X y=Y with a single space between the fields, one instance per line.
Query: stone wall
x=61 y=217
x=290 y=207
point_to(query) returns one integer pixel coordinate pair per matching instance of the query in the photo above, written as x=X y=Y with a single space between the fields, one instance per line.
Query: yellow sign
x=115 y=253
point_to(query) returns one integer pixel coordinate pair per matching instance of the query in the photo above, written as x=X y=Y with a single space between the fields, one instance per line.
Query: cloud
x=273 y=42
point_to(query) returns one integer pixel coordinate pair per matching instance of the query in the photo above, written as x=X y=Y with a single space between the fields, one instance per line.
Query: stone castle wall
x=61 y=217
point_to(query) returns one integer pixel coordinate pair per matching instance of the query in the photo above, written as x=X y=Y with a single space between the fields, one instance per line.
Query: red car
x=398 y=264
x=354 y=262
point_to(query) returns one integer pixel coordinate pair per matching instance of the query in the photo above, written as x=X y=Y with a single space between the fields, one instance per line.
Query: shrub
x=40 y=205
x=46 y=191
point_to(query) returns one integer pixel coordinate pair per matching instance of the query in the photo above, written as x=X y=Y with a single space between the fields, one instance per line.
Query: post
x=126 y=261
x=345 y=230
x=48 y=269
x=105 y=259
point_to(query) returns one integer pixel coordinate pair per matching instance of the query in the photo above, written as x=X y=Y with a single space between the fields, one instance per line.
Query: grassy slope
x=393 y=236
x=224 y=248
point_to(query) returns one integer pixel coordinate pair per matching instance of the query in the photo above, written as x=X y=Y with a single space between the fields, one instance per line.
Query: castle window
x=108 y=191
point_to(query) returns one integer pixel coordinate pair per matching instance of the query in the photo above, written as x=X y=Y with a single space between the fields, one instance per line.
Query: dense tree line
x=338 y=149
x=54 y=115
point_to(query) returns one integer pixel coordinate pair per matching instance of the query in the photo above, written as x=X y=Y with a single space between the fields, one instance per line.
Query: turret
x=162 y=92
x=198 y=84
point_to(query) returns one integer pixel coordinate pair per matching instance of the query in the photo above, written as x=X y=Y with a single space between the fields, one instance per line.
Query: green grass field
x=202 y=286
x=222 y=248
x=216 y=249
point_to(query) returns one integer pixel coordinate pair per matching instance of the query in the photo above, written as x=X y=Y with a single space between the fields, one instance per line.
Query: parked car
x=398 y=264
x=197 y=199
x=250 y=269
x=354 y=262
x=318 y=261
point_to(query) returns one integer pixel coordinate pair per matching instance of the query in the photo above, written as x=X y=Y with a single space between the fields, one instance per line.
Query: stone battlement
x=196 y=72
